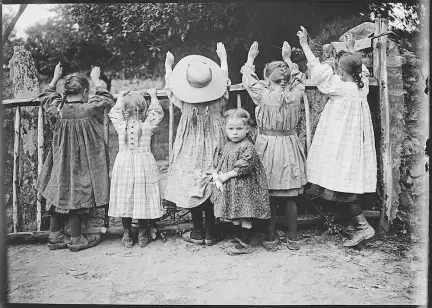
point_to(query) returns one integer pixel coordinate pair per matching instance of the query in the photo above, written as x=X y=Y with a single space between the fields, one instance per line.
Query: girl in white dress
x=341 y=164
x=135 y=192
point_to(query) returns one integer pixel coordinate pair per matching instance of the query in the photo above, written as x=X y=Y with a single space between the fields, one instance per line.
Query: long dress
x=75 y=173
x=195 y=149
x=283 y=156
x=342 y=157
x=245 y=196
x=135 y=180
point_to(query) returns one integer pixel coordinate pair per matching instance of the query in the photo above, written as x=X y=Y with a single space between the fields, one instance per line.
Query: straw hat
x=197 y=79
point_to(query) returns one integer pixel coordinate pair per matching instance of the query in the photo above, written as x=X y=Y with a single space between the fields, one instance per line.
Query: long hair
x=74 y=84
x=135 y=104
x=278 y=72
x=351 y=63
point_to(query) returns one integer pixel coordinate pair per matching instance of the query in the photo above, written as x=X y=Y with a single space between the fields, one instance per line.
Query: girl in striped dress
x=135 y=192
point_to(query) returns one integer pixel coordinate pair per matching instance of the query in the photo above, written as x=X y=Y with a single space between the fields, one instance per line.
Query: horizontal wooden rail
x=22 y=102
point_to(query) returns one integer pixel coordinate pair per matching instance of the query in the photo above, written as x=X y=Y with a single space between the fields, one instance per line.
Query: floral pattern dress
x=75 y=173
x=283 y=156
x=342 y=156
x=200 y=137
x=135 y=190
x=245 y=196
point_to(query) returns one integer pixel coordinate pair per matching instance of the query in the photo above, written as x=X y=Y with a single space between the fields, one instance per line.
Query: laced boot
x=83 y=242
x=244 y=244
x=58 y=240
x=127 y=238
x=364 y=231
x=143 y=237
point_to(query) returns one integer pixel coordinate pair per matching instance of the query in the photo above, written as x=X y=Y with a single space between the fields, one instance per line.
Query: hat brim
x=187 y=93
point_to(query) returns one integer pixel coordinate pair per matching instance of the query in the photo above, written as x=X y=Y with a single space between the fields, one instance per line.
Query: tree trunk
x=10 y=27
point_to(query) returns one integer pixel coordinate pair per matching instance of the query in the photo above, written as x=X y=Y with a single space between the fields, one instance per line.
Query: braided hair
x=279 y=73
x=73 y=84
x=351 y=63
x=135 y=103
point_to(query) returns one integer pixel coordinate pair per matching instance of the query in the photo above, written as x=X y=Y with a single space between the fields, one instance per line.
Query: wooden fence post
x=380 y=72
x=41 y=156
x=170 y=131
x=238 y=100
x=27 y=145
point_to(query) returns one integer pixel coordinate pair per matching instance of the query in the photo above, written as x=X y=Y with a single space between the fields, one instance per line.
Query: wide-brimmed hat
x=197 y=79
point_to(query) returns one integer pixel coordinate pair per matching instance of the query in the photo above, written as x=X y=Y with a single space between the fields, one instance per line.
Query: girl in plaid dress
x=341 y=164
x=74 y=177
x=277 y=100
x=135 y=190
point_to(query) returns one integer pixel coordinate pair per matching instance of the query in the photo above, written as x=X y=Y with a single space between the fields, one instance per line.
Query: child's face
x=236 y=129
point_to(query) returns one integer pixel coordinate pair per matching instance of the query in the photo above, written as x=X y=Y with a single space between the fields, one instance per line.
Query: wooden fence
x=379 y=71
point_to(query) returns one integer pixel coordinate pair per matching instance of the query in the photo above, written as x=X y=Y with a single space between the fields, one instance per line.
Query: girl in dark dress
x=74 y=177
x=243 y=195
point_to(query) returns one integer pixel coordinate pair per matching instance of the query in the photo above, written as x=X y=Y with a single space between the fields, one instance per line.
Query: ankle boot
x=58 y=240
x=363 y=232
x=244 y=244
x=84 y=242
x=350 y=229
x=127 y=238
x=143 y=237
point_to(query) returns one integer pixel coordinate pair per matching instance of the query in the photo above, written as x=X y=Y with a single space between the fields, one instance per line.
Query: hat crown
x=198 y=74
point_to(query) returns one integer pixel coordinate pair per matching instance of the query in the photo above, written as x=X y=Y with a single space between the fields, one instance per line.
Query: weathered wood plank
x=16 y=154
x=238 y=100
x=170 y=131
x=41 y=155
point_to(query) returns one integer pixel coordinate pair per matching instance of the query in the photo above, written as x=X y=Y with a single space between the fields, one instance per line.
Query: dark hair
x=281 y=79
x=351 y=63
x=238 y=113
x=74 y=84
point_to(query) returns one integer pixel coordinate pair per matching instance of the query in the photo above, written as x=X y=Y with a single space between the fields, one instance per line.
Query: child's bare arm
x=222 y=54
x=155 y=112
x=253 y=53
x=302 y=34
x=49 y=97
x=286 y=53
x=349 y=42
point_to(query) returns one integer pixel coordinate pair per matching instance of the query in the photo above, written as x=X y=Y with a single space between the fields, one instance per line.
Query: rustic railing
x=379 y=53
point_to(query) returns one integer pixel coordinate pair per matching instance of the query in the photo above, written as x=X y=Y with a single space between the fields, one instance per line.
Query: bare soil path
x=386 y=271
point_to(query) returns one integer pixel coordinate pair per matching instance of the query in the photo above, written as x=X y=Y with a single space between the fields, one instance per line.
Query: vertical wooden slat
x=17 y=141
x=171 y=131
x=308 y=125
x=238 y=101
x=106 y=137
x=41 y=154
x=385 y=143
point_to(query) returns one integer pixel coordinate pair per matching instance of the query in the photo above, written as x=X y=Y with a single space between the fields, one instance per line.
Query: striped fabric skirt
x=135 y=190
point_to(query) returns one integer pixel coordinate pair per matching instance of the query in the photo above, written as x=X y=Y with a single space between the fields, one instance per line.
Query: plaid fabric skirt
x=327 y=194
x=135 y=190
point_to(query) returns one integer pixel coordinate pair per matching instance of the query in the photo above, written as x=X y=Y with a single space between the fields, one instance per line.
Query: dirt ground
x=386 y=271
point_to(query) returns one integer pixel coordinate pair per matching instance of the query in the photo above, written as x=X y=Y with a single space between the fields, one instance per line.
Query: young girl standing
x=341 y=163
x=277 y=115
x=199 y=87
x=135 y=177
x=244 y=195
x=74 y=177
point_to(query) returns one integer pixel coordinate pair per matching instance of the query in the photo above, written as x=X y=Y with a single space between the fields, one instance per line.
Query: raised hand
x=349 y=42
x=286 y=51
x=253 y=52
x=221 y=51
x=169 y=61
x=95 y=73
x=58 y=71
x=302 y=35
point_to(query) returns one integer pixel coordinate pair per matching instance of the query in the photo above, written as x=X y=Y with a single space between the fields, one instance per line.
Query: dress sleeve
x=173 y=99
x=117 y=118
x=252 y=84
x=296 y=78
x=50 y=100
x=245 y=163
x=101 y=100
x=155 y=114
x=324 y=78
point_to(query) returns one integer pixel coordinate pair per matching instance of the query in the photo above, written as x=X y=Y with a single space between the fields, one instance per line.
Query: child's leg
x=271 y=236
x=197 y=221
x=143 y=234
x=127 y=232
x=364 y=230
x=209 y=220
x=57 y=238
x=244 y=245
x=80 y=241
x=291 y=223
